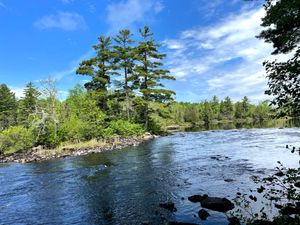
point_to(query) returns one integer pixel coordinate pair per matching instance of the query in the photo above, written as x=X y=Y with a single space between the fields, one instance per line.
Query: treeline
x=221 y=111
x=125 y=96
x=40 y=118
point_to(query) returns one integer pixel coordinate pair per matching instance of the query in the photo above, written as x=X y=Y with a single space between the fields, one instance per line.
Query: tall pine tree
x=150 y=72
x=124 y=59
x=100 y=68
x=27 y=105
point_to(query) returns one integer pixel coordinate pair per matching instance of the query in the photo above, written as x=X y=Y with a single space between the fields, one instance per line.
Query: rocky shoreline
x=33 y=156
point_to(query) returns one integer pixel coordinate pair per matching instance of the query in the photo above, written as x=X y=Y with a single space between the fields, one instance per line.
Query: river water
x=126 y=186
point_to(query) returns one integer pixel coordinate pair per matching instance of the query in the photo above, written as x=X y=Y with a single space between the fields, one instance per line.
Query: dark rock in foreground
x=203 y=214
x=197 y=198
x=169 y=206
x=217 y=204
x=180 y=223
x=213 y=203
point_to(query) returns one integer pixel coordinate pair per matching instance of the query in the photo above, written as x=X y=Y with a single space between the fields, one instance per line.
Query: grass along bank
x=75 y=149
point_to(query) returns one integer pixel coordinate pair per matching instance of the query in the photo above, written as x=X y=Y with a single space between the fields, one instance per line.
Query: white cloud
x=225 y=58
x=19 y=91
x=68 y=21
x=125 y=13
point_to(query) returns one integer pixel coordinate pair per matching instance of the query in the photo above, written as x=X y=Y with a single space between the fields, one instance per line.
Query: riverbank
x=37 y=154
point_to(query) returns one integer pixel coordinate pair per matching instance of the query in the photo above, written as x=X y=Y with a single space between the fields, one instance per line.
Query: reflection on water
x=276 y=123
x=126 y=186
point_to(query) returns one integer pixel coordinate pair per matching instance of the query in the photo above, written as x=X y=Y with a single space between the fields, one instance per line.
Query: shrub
x=16 y=139
x=74 y=129
x=157 y=125
x=124 y=128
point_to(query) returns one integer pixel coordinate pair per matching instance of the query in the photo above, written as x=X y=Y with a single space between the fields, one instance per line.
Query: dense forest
x=40 y=118
x=125 y=96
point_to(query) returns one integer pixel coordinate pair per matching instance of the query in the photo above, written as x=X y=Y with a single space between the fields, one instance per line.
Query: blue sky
x=211 y=45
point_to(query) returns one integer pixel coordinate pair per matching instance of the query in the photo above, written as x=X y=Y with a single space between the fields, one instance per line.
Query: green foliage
x=124 y=58
x=282 y=29
x=27 y=105
x=262 y=112
x=150 y=70
x=100 y=68
x=46 y=133
x=16 y=139
x=226 y=109
x=8 y=107
x=75 y=130
x=124 y=128
x=280 y=190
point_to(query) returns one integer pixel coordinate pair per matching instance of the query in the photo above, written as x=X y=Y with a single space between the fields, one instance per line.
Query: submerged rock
x=169 y=206
x=228 y=180
x=216 y=157
x=219 y=157
x=203 y=214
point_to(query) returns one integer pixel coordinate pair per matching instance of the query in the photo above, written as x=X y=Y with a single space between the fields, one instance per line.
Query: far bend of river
x=126 y=186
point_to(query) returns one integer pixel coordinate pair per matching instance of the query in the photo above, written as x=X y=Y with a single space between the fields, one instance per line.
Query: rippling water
x=126 y=186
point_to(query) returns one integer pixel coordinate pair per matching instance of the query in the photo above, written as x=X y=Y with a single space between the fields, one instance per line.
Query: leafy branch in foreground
x=278 y=193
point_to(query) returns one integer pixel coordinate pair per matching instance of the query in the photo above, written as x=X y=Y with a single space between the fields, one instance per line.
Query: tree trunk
x=146 y=117
x=127 y=95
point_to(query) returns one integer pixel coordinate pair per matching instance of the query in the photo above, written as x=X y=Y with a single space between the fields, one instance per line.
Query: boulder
x=217 y=204
x=197 y=198
x=147 y=136
x=169 y=206
x=203 y=214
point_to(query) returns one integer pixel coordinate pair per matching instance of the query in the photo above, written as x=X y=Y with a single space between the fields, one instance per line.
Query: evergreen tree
x=215 y=107
x=245 y=107
x=124 y=58
x=8 y=106
x=282 y=29
x=27 y=105
x=207 y=112
x=226 y=108
x=150 y=72
x=100 y=68
x=239 y=111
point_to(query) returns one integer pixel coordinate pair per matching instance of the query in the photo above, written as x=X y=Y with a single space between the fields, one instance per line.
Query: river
x=126 y=186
